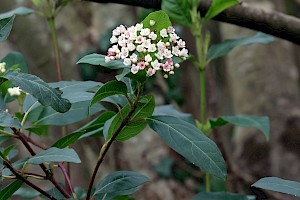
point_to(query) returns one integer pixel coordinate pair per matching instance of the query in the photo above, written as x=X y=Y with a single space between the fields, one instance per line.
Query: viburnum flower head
x=143 y=48
x=14 y=91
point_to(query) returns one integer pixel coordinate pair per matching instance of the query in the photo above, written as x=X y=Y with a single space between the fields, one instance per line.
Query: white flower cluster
x=14 y=91
x=2 y=67
x=143 y=49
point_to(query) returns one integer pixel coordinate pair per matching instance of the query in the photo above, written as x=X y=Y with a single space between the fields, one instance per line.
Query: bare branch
x=274 y=23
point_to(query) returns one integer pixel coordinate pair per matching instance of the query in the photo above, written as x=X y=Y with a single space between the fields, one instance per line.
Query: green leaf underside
x=27 y=193
x=221 y=196
x=218 y=6
x=261 y=123
x=161 y=19
x=13 y=59
x=219 y=50
x=92 y=126
x=35 y=86
x=144 y=109
x=10 y=189
x=109 y=89
x=171 y=110
x=6 y=120
x=279 y=185
x=5 y=27
x=120 y=183
x=98 y=59
x=188 y=141
x=178 y=11
x=54 y=154
x=18 y=11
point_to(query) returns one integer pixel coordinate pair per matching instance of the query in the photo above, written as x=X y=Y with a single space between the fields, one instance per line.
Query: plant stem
x=107 y=145
x=51 y=23
x=67 y=178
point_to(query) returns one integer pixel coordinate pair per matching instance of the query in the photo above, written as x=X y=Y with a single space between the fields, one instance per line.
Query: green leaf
x=54 y=154
x=170 y=110
x=95 y=125
x=16 y=11
x=190 y=142
x=5 y=27
x=261 y=123
x=178 y=10
x=143 y=110
x=109 y=89
x=35 y=86
x=218 y=6
x=10 y=189
x=8 y=149
x=6 y=120
x=15 y=59
x=219 y=50
x=279 y=185
x=27 y=193
x=221 y=196
x=120 y=183
x=98 y=59
x=161 y=19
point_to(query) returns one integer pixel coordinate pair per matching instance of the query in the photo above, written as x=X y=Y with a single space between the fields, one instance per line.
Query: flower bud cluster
x=143 y=49
x=2 y=67
x=14 y=91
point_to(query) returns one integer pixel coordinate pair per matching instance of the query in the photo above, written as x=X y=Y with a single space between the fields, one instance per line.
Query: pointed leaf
x=98 y=59
x=222 y=196
x=170 y=110
x=5 y=27
x=120 y=183
x=218 y=6
x=190 y=142
x=109 y=89
x=178 y=10
x=161 y=19
x=54 y=154
x=6 y=120
x=17 y=11
x=279 y=185
x=261 y=123
x=15 y=59
x=10 y=189
x=35 y=86
x=219 y=50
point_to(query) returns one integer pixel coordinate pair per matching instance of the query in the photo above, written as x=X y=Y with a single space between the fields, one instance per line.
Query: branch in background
x=274 y=23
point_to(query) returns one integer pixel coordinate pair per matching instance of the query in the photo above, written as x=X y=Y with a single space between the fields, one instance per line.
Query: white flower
x=152 y=36
x=2 y=67
x=122 y=43
x=147 y=43
x=152 y=22
x=140 y=48
x=160 y=45
x=151 y=72
x=134 y=58
x=155 y=64
x=124 y=52
x=113 y=39
x=177 y=65
x=167 y=53
x=171 y=29
x=181 y=43
x=173 y=37
x=152 y=48
x=148 y=58
x=139 y=27
x=159 y=55
x=175 y=50
x=132 y=36
x=130 y=46
x=140 y=39
x=163 y=33
x=107 y=59
x=127 y=61
x=145 y=31
x=134 y=69
x=15 y=91
x=183 y=53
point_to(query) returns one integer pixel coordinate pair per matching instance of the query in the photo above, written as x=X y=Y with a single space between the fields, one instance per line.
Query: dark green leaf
x=161 y=19
x=221 y=196
x=54 y=154
x=17 y=11
x=218 y=6
x=144 y=109
x=56 y=194
x=109 y=89
x=35 y=86
x=120 y=183
x=170 y=110
x=5 y=27
x=98 y=59
x=40 y=130
x=279 y=185
x=6 y=120
x=9 y=190
x=219 y=50
x=190 y=142
x=15 y=59
x=8 y=149
x=261 y=123
x=178 y=10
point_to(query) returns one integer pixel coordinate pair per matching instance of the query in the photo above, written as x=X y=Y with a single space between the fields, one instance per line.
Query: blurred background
x=253 y=80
